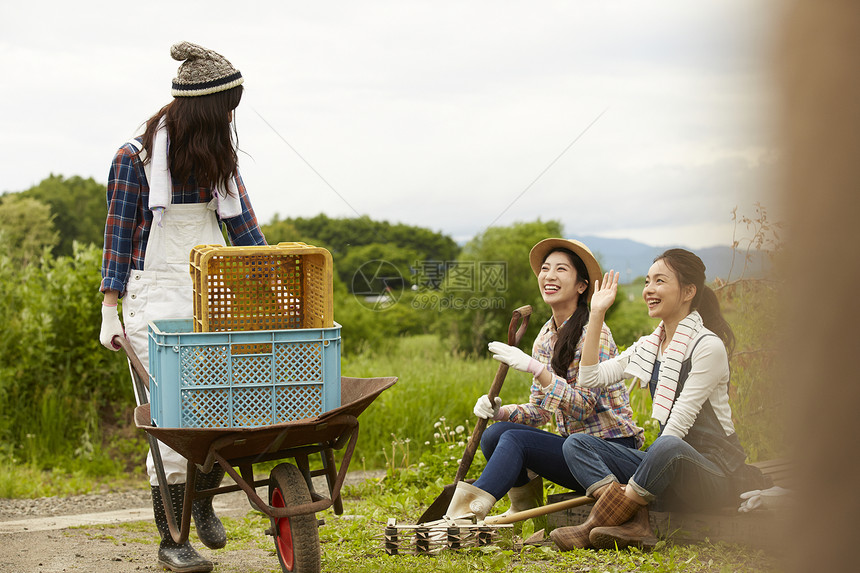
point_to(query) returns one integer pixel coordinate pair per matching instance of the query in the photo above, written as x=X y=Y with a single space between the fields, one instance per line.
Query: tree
x=283 y=231
x=374 y=267
x=356 y=241
x=485 y=307
x=26 y=228
x=341 y=235
x=78 y=207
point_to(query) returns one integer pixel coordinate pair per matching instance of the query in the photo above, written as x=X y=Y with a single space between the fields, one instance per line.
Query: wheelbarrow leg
x=178 y=529
x=305 y=468
x=331 y=476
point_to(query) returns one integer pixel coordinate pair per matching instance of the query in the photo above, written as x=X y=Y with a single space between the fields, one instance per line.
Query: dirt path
x=115 y=533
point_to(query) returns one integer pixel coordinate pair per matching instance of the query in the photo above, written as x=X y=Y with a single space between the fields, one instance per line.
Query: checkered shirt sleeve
x=129 y=218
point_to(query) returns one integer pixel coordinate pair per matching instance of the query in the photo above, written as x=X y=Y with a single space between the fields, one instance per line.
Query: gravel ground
x=73 y=505
x=121 y=548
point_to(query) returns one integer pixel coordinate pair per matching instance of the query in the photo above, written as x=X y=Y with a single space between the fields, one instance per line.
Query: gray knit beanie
x=202 y=71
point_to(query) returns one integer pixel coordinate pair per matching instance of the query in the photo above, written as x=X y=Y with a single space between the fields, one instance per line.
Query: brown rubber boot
x=612 y=508
x=636 y=533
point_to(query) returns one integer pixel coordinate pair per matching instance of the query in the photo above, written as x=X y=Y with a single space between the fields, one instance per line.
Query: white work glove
x=751 y=500
x=111 y=326
x=515 y=358
x=483 y=408
x=770 y=498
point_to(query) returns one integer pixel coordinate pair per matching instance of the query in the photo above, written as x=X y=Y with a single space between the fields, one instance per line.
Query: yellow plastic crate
x=270 y=287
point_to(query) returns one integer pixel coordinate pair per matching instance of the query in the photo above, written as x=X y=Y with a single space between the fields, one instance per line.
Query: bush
x=56 y=381
x=756 y=399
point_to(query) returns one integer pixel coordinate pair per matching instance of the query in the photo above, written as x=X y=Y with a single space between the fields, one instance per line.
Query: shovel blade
x=439 y=506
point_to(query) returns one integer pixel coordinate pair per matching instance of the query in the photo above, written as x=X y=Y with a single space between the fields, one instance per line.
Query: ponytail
x=712 y=317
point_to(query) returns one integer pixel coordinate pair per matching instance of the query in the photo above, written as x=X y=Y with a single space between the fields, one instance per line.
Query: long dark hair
x=691 y=271
x=571 y=331
x=201 y=142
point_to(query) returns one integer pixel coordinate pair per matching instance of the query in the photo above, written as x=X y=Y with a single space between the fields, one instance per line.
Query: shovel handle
x=516 y=330
x=538 y=511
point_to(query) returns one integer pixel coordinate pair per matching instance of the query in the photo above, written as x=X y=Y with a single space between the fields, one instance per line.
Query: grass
x=354 y=545
x=351 y=543
x=27 y=481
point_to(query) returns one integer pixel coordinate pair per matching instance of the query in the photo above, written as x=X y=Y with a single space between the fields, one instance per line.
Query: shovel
x=538 y=511
x=440 y=505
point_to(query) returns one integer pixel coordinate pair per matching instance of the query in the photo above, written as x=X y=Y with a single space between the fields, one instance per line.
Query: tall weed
x=56 y=382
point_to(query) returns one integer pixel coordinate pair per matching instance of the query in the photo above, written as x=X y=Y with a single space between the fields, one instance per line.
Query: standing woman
x=168 y=191
x=515 y=446
x=697 y=461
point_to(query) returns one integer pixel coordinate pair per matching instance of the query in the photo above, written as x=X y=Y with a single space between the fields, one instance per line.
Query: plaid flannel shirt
x=129 y=218
x=602 y=412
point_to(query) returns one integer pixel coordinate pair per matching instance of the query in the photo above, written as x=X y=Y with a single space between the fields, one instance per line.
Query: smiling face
x=666 y=297
x=560 y=285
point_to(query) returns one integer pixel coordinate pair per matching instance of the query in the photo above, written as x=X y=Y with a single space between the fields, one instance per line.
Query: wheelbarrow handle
x=141 y=378
x=516 y=330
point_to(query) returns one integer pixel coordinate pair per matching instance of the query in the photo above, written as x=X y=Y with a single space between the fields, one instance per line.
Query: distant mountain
x=632 y=259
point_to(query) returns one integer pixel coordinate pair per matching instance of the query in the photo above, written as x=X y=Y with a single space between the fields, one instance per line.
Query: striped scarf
x=645 y=354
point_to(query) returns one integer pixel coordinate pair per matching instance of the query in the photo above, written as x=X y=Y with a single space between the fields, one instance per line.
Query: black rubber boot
x=209 y=528
x=181 y=558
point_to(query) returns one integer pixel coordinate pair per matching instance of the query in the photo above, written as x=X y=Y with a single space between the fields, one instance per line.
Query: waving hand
x=604 y=292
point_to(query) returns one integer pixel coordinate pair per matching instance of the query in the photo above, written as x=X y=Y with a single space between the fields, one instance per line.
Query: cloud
x=430 y=113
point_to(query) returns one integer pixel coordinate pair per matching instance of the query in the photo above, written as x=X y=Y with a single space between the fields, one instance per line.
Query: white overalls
x=164 y=290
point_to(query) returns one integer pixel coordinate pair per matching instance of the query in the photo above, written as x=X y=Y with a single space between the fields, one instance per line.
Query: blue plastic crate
x=241 y=379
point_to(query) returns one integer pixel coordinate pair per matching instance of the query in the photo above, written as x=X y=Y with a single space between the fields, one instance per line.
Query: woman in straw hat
x=518 y=452
x=697 y=460
x=169 y=190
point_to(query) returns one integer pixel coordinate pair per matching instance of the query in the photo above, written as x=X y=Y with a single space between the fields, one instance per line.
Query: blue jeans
x=511 y=449
x=670 y=469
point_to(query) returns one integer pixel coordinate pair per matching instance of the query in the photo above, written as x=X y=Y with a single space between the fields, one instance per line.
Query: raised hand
x=604 y=292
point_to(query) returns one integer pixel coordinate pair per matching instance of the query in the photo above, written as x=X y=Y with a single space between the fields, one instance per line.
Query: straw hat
x=542 y=249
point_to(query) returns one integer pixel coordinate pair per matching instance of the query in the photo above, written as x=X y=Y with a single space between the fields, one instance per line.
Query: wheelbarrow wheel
x=297 y=539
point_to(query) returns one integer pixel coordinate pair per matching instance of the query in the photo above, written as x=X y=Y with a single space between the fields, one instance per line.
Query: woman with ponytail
x=697 y=461
x=518 y=453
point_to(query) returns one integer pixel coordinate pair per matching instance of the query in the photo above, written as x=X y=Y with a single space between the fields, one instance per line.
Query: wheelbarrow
x=292 y=501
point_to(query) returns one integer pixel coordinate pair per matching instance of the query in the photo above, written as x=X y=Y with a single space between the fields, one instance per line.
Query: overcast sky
x=441 y=114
